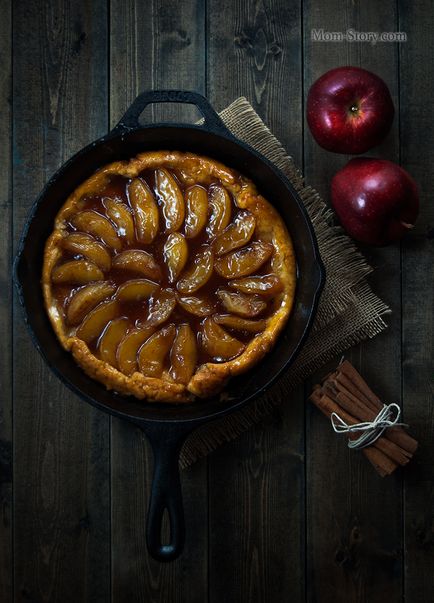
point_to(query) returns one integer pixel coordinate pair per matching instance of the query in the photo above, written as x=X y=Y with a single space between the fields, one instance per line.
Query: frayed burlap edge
x=348 y=313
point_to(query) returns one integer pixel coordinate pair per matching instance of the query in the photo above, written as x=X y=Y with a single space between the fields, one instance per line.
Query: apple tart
x=167 y=274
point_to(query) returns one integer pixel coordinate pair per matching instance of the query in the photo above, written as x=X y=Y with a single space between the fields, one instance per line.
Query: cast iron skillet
x=167 y=426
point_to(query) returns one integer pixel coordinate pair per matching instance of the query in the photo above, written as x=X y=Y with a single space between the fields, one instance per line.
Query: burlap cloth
x=348 y=312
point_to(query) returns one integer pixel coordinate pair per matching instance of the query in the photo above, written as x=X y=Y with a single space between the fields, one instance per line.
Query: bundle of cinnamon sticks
x=347 y=394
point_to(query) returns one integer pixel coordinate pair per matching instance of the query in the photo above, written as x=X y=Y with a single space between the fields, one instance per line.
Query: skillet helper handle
x=166 y=494
x=212 y=121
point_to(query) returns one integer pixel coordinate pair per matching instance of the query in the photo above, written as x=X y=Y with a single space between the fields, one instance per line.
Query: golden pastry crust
x=209 y=378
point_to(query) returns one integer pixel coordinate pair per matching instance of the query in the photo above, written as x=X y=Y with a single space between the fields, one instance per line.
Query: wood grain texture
x=156 y=47
x=61 y=445
x=354 y=541
x=256 y=484
x=417 y=156
x=160 y=47
x=65 y=534
x=6 y=470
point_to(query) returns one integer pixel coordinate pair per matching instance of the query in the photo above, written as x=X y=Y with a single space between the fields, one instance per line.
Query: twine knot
x=371 y=430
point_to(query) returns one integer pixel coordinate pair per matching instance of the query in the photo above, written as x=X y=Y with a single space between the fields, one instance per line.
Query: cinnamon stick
x=382 y=463
x=346 y=393
x=359 y=413
x=395 y=434
x=327 y=406
x=345 y=382
x=349 y=371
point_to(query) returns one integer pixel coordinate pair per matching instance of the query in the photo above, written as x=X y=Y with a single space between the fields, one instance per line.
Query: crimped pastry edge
x=209 y=378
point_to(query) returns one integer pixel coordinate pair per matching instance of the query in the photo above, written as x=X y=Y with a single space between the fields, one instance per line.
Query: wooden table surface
x=286 y=512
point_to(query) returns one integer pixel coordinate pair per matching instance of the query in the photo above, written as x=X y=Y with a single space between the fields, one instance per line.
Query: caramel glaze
x=136 y=312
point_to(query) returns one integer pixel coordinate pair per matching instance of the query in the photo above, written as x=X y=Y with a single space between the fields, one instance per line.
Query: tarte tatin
x=167 y=274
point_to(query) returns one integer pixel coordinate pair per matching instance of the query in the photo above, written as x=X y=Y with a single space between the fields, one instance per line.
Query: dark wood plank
x=61 y=445
x=354 y=538
x=160 y=47
x=417 y=131
x=256 y=484
x=6 y=572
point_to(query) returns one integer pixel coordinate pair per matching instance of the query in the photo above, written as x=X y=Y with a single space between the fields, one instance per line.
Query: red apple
x=349 y=110
x=376 y=201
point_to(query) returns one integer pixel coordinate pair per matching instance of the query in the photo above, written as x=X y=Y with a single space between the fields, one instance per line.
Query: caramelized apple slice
x=120 y=215
x=76 y=272
x=217 y=342
x=220 y=203
x=198 y=273
x=183 y=355
x=85 y=299
x=154 y=351
x=172 y=201
x=244 y=261
x=94 y=323
x=161 y=307
x=242 y=304
x=197 y=211
x=111 y=338
x=128 y=348
x=145 y=211
x=136 y=290
x=175 y=254
x=85 y=245
x=185 y=177
x=196 y=305
x=240 y=324
x=267 y=285
x=138 y=261
x=94 y=224
x=236 y=234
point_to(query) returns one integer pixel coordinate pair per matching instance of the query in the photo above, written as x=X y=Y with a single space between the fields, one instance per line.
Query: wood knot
x=79 y=40
x=256 y=42
x=275 y=49
x=342 y=557
x=243 y=41
x=355 y=535
x=425 y=537
x=184 y=37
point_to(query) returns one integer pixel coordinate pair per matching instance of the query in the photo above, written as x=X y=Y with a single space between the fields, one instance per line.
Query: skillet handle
x=166 y=494
x=130 y=120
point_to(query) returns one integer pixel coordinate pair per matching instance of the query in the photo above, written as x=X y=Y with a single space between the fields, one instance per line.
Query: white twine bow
x=372 y=430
